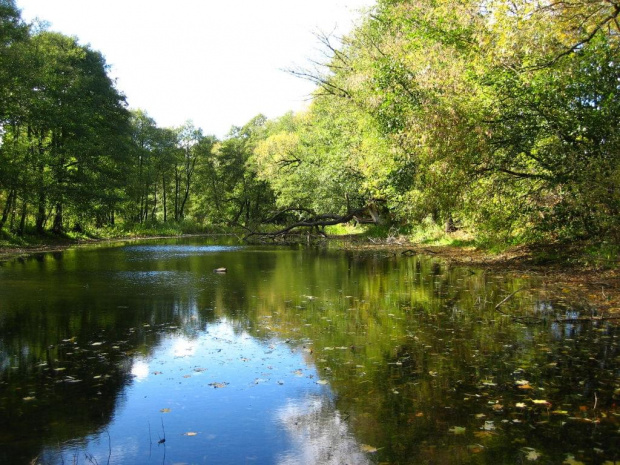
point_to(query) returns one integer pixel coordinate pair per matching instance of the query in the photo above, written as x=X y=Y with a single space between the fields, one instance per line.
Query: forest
x=499 y=118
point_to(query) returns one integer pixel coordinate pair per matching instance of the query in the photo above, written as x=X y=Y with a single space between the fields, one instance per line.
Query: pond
x=140 y=353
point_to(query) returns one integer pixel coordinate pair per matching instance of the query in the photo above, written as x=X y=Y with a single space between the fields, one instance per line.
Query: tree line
x=497 y=116
x=74 y=157
x=493 y=116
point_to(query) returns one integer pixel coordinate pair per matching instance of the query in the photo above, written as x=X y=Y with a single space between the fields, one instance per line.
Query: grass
x=590 y=254
x=123 y=230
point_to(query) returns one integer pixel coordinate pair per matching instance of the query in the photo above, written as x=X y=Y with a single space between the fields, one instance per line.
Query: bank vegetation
x=494 y=121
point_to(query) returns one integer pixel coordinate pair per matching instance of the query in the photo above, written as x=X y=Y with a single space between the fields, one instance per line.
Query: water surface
x=140 y=353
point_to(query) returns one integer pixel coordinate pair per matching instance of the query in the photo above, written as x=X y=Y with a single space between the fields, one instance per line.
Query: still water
x=140 y=353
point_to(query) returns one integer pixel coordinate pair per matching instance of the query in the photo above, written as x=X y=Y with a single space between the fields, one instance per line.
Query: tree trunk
x=12 y=221
x=22 y=221
x=154 y=210
x=57 y=227
x=163 y=181
x=40 y=219
x=7 y=208
x=450 y=226
x=177 y=189
x=373 y=211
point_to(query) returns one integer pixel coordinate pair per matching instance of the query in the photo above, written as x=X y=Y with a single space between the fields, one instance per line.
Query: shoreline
x=590 y=286
x=12 y=252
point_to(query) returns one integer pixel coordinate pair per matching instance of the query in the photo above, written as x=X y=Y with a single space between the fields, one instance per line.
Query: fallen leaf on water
x=367 y=448
x=218 y=385
x=321 y=381
x=190 y=433
x=531 y=454
x=28 y=399
x=165 y=410
x=520 y=405
x=540 y=402
x=570 y=460
x=488 y=426
x=457 y=430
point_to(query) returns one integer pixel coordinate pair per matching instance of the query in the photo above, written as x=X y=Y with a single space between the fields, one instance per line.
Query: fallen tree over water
x=317 y=222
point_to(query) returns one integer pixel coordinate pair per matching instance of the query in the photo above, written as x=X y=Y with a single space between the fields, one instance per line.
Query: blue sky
x=215 y=62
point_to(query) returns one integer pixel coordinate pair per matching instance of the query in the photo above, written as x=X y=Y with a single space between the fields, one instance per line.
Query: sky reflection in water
x=295 y=356
x=222 y=397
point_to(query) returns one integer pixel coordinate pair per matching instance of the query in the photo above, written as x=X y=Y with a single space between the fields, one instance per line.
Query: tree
x=65 y=133
x=231 y=192
x=483 y=103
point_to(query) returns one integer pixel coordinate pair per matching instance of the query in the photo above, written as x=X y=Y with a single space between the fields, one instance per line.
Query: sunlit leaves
x=368 y=449
x=457 y=430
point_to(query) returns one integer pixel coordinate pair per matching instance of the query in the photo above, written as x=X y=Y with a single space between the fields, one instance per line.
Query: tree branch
x=317 y=220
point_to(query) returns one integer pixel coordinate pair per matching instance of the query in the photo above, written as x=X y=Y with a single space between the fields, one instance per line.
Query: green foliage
x=231 y=193
x=153 y=229
x=502 y=116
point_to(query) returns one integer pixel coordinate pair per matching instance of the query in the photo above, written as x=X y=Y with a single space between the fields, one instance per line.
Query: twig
x=162 y=440
x=586 y=318
x=150 y=440
x=525 y=319
x=109 y=445
x=505 y=299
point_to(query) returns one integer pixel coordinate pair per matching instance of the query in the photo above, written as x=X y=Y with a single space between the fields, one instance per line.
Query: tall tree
x=232 y=194
x=67 y=130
